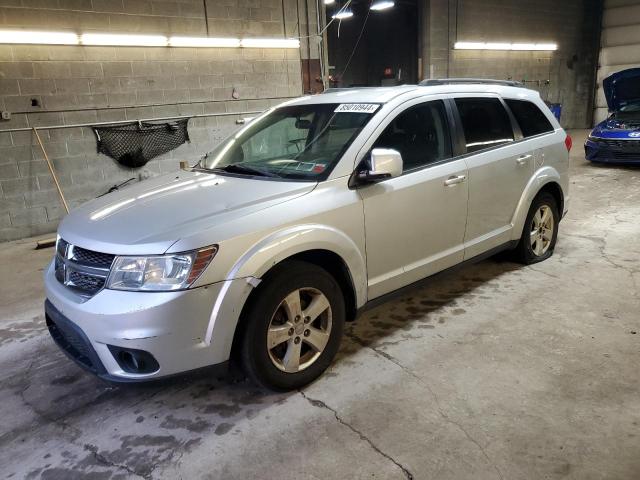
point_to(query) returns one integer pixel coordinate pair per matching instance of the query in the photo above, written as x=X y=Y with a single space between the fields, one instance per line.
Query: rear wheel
x=294 y=326
x=540 y=230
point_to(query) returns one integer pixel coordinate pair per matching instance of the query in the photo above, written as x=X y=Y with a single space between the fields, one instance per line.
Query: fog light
x=134 y=361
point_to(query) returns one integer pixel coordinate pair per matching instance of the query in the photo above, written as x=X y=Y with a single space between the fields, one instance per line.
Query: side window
x=485 y=122
x=420 y=134
x=531 y=120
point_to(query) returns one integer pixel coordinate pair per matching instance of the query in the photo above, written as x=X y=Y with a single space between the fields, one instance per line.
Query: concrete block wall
x=619 y=46
x=572 y=24
x=51 y=85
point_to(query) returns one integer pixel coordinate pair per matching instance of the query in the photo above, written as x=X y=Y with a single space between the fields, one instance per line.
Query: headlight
x=159 y=273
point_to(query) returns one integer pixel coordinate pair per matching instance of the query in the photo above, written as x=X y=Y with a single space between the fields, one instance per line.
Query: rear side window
x=530 y=118
x=485 y=122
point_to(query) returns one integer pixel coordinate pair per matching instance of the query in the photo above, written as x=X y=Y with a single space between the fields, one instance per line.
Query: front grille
x=92 y=258
x=85 y=282
x=625 y=155
x=82 y=270
x=624 y=145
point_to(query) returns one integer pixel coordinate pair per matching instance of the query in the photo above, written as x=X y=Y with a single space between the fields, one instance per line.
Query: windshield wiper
x=240 y=168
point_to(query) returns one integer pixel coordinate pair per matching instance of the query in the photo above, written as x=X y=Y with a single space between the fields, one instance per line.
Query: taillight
x=568 y=143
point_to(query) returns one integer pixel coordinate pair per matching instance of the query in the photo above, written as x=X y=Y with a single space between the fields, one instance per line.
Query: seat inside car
x=414 y=135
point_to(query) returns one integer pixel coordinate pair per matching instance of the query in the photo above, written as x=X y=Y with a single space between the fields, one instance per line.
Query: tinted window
x=420 y=134
x=485 y=122
x=531 y=120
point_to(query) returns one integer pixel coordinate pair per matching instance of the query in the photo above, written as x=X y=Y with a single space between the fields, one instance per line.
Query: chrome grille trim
x=82 y=270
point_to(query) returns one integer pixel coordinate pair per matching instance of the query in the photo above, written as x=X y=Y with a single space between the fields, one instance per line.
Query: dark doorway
x=373 y=48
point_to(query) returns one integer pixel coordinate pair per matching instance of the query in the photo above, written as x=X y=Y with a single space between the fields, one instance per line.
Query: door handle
x=455 y=180
x=522 y=159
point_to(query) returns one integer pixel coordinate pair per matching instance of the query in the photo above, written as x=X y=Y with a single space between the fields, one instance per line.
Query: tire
x=284 y=294
x=536 y=242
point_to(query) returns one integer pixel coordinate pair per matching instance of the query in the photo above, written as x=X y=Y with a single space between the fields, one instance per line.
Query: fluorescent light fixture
x=329 y=2
x=382 y=5
x=497 y=46
x=505 y=46
x=342 y=14
x=270 y=43
x=535 y=46
x=112 y=39
x=43 y=38
x=203 y=42
x=123 y=40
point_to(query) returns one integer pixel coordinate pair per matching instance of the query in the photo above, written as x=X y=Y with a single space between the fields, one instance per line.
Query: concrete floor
x=495 y=371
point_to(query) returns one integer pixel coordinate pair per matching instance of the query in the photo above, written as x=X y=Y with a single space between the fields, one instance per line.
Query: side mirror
x=383 y=163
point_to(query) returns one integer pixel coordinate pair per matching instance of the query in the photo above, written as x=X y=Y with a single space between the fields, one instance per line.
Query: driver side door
x=415 y=223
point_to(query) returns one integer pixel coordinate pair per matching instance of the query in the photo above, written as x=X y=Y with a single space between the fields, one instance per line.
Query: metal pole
x=53 y=172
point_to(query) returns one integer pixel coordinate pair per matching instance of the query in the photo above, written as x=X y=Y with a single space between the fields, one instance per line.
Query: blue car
x=617 y=139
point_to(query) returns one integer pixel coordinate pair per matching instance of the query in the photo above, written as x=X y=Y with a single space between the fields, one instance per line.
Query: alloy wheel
x=299 y=330
x=541 y=231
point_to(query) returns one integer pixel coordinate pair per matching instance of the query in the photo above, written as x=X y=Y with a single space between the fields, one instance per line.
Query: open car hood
x=622 y=88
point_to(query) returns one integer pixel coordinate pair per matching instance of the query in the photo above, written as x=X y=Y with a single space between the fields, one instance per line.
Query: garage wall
x=49 y=85
x=620 y=45
x=572 y=24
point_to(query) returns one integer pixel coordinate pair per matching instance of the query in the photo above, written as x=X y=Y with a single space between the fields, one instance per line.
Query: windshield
x=302 y=142
x=630 y=107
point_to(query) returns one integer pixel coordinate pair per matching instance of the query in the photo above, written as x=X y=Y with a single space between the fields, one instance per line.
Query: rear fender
x=542 y=177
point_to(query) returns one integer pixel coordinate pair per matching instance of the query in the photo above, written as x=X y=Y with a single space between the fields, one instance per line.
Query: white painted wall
x=619 y=45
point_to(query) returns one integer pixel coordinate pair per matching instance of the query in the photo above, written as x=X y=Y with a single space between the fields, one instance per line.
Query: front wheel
x=293 y=327
x=540 y=230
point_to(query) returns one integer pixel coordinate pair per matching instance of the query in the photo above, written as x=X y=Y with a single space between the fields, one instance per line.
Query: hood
x=618 y=129
x=622 y=88
x=147 y=218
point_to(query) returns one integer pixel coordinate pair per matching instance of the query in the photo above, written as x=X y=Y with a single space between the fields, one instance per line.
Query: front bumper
x=174 y=328
x=618 y=151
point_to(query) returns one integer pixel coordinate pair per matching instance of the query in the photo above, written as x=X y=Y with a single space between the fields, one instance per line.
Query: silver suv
x=299 y=221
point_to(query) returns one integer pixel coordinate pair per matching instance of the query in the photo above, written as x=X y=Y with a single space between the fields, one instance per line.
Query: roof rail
x=337 y=89
x=346 y=89
x=430 y=82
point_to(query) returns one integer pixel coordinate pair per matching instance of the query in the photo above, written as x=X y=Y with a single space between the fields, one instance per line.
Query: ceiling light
x=270 y=43
x=44 y=38
x=329 y=2
x=536 y=46
x=505 y=46
x=110 y=39
x=382 y=4
x=343 y=13
x=203 y=42
x=123 y=40
x=497 y=46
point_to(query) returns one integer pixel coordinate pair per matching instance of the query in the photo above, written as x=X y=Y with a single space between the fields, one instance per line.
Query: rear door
x=500 y=166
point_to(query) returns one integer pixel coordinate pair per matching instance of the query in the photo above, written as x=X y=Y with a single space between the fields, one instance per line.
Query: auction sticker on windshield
x=357 y=107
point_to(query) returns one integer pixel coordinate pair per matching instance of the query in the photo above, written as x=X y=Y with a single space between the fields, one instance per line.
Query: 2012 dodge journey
x=298 y=221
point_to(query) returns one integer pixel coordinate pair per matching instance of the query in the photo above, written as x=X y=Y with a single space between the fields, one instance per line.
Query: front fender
x=543 y=176
x=262 y=256
x=285 y=243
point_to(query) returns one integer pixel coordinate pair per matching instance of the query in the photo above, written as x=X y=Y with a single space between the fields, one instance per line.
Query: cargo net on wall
x=133 y=145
